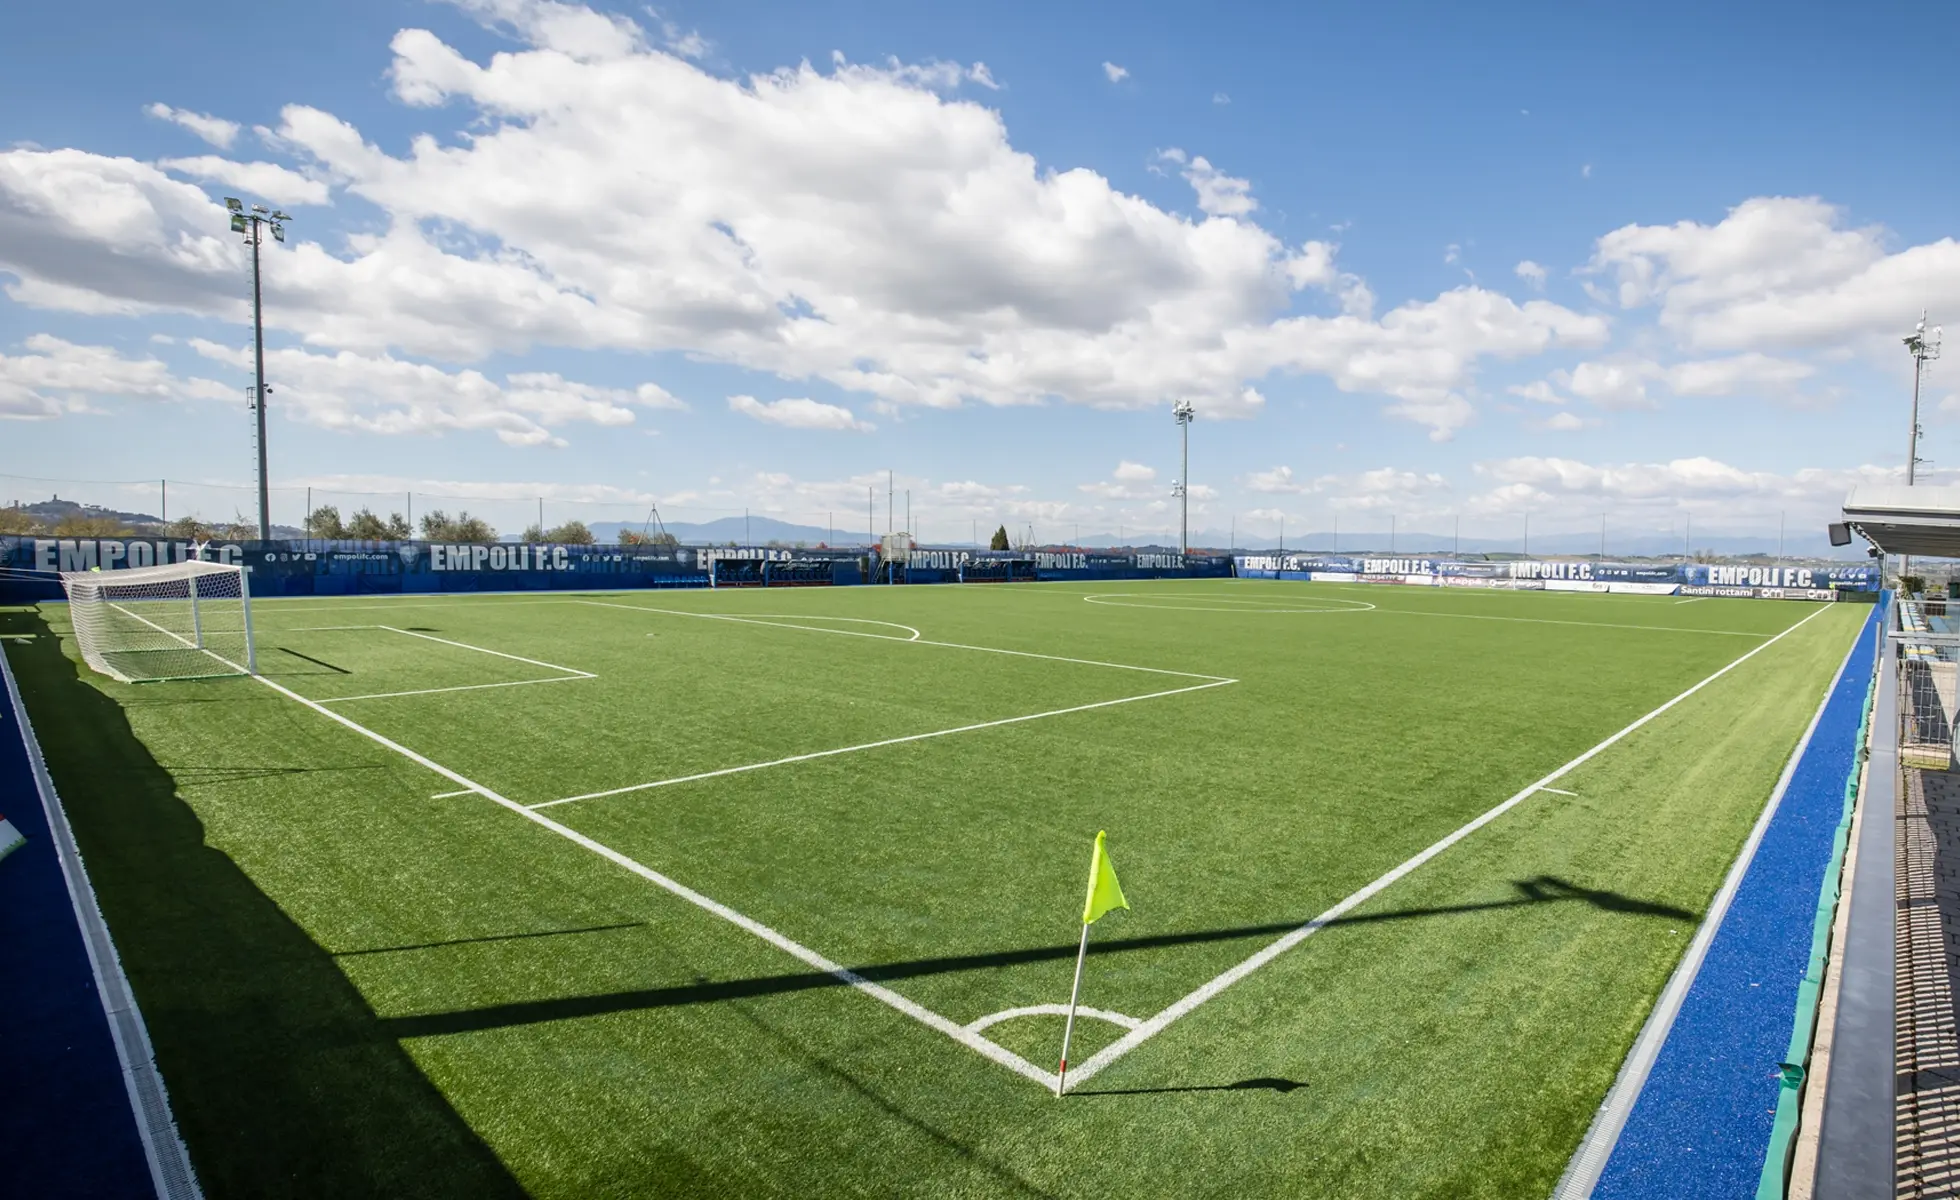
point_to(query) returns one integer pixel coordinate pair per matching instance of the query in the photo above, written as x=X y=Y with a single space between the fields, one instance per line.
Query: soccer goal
x=188 y=620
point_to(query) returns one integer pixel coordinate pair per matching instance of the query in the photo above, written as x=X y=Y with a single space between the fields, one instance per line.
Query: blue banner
x=1707 y=579
x=30 y=567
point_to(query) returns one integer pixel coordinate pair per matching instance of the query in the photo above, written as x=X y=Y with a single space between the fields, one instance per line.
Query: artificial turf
x=357 y=986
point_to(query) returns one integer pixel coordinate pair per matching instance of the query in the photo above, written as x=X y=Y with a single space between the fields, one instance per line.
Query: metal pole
x=888 y=501
x=541 y=518
x=1074 y=993
x=1602 y=535
x=1391 y=533
x=1527 y=533
x=1184 y=495
x=163 y=504
x=1781 y=521
x=745 y=527
x=245 y=605
x=309 y=511
x=1912 y=442
x=1456 y=540
x=1688 y=537
x=257 y=338
x=1282 y=533
x=870 y=517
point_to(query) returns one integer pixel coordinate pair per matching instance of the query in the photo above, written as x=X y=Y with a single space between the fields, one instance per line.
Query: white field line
x=1558 y=791
x=1051 y=1010
x=782 y=621
x=452 y=795
x=1287 y=941
x=1086 y=662
x=1692 y=600
x=461 y=687
x=910 y=737
x=571 y=674
x=324 y=628
x=1588 y=1162
x=481 y=650
x=919 y=1013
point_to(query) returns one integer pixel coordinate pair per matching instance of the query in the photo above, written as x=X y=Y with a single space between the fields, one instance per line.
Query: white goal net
x=187 y=620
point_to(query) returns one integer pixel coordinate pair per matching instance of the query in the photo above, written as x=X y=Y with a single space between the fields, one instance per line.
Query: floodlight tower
x=1924 y=348
x=253 y=225
x=1183 y=413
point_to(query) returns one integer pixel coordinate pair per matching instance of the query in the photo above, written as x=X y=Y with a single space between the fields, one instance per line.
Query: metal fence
x=1929 y=672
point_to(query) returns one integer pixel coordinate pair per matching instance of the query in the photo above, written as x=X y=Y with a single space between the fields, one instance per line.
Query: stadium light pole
x=1183 y=413
x=253 y=225
x=1923 y=349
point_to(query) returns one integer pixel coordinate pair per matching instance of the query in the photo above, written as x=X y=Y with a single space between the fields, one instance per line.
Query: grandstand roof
x=1919 y=520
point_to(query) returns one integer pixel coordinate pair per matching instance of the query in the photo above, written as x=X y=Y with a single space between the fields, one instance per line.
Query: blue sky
x=1420 y=261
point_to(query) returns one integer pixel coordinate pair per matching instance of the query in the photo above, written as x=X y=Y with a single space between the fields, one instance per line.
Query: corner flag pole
x=1104 y=894
x=1068 y=1030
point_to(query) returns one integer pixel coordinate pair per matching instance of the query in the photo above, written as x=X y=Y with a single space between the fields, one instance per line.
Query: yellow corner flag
x=1104 y=892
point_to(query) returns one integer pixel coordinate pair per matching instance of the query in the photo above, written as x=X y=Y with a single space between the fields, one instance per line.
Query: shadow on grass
x=1262 y=1084
x=1542 y=889
x=282 y=1079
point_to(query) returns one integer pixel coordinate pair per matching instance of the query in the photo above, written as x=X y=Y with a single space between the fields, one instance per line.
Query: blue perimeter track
x=66 y=1125
x=1701 y=1125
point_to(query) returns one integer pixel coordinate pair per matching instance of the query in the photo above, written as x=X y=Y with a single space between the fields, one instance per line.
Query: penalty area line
x=910 y=737
x=1190 y=1002
x=925 y=1016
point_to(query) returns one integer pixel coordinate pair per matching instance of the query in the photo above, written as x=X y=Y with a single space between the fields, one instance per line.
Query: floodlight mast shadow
x=253 y=224
x=1183 y=413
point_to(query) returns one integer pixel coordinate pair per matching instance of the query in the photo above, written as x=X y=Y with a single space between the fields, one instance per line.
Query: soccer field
x=777 y=892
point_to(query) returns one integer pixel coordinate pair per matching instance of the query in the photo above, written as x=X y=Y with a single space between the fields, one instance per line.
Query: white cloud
x=258 y=180
x=1115 y=73
x=858 y=227
x=387 y=395
x=1538 y=390
x=1610 y=384
x=1219 y=194
x=1451 y=254
x=799 y=414
x=1276 y=481
x=1129 y=481
x=1622 y=382
x=1566 y=422
x=1778 y=271
x=215 y=130
x=56 y=377
x=688 y=43
x=1220 y=98
x=1702 y=485
x=1585 y=172
x=1385 y=489
x=1531 y=273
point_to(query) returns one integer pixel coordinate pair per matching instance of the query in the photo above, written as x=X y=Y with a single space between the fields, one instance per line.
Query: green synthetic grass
x=356 y=987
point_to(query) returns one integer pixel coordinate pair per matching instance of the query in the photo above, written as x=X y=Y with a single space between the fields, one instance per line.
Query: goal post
x=188 y=620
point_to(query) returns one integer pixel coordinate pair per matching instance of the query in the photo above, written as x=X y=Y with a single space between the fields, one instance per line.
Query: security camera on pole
x=253 y=225
x=1181 y=487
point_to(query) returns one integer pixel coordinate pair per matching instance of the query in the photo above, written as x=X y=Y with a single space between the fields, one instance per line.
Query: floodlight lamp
x=278 y=232
x=280 y=214
x=231 y=202
x=237 y=223
x=258 y=208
